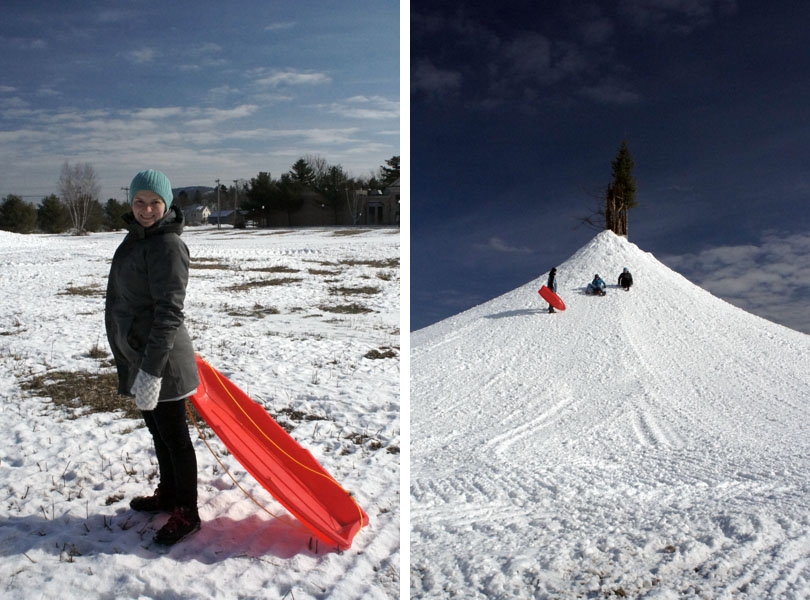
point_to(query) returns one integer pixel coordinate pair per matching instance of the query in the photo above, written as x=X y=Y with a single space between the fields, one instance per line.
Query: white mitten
x=146 y=389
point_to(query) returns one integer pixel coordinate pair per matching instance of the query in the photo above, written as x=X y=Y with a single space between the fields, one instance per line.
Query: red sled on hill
x=552 y=298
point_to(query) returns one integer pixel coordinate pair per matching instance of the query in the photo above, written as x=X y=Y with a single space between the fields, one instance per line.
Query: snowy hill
x=651 y=443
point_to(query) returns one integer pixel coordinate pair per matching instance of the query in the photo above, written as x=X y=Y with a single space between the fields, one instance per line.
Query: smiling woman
x=153 y=352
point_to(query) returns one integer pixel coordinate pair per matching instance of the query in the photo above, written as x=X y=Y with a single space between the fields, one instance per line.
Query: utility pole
x=219 y=212
x=126 y=189
x=236 y=221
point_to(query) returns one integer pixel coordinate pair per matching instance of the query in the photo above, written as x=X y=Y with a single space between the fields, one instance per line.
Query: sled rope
x=280 y=449
x=244 y=491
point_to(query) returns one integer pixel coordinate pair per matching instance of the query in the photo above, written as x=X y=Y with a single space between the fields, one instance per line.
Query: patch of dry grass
x=276 y=269
x=387 y=263
x=92 y=289
x=82 y=392
x=349 y=291
x=258 y=311
x=345 y=309
x=341 y=232
x=322 y=272
x=381 y=353
x=248 y=285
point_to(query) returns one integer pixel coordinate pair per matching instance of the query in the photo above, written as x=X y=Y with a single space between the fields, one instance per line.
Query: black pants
x=175 y=452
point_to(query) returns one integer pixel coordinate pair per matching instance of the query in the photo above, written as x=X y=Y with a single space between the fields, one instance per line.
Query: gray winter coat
x=144 y=307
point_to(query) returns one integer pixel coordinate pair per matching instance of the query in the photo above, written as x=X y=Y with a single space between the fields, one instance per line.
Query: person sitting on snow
x=597 y=286
x=626 y=280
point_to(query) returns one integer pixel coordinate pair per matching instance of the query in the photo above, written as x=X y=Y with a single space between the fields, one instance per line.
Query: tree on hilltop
x=621 y=193
x=613 y=202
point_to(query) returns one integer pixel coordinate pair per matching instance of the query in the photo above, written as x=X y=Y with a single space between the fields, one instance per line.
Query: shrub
x=17 y=215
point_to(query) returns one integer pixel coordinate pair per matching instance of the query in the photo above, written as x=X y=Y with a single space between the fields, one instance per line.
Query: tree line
x=311 y=174
x=77 y=208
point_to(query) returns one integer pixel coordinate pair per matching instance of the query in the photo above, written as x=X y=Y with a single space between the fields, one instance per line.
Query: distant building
x=196 y=214
x=377 y=209
x=226 y=217
x=355 y=207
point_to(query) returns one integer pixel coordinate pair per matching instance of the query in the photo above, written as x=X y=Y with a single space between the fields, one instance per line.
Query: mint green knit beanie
x=154 y=181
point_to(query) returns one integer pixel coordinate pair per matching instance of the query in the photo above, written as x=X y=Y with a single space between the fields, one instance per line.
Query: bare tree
x=597 y=218
x=79 y=189
x=319 y=166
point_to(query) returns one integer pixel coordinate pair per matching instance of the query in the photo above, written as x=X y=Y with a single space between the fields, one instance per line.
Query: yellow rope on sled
x=247 y=493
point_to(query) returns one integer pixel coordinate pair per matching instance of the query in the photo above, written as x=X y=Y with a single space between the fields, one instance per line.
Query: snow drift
x=651 y=443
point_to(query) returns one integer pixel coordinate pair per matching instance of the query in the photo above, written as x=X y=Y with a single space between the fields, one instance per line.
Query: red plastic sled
x=284 y=468
x=551 y=298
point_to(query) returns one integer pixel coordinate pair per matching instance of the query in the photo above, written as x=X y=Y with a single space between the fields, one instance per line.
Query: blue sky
x=518 y=108
x=201 y=90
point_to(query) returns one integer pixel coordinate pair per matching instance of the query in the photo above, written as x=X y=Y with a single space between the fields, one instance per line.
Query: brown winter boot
x=154 y=503
x=183 y=522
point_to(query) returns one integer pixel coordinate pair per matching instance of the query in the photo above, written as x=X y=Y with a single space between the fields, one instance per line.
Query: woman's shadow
x=126 y=531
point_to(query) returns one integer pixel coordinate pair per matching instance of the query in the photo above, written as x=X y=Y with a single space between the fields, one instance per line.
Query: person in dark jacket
x=626 y=279
x=552 y=285
x=151 y=346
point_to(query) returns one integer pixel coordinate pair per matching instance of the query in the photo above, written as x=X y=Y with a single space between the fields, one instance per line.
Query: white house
x=196 y=214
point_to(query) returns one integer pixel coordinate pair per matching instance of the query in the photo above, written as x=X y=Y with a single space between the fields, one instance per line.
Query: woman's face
x=148 y=208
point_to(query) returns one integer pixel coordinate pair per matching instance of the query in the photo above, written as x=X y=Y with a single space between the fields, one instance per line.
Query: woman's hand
x=146 y=389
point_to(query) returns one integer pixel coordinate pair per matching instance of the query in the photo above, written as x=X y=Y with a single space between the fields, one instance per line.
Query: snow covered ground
x=66 y=530
x=647 y=444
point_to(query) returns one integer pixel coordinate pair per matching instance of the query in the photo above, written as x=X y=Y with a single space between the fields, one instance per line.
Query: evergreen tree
x=17 y=215
x=332 y=187
x=260 y=197
x=52 y=216
x=95 y=216
x=291 y=194
x=389 y=174
x=302 y=174
x=113 y=214
x=621 y=193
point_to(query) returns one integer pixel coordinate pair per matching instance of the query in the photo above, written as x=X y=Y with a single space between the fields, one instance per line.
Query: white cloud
x=293 y=77
x=433 y=81
x=22 y=43
x=365 y=107
x=142 y=55
x=611 y=92
x=280 y=26
x=158 y=113
x=675 y=16
x=499 y=245
x=771 y=279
